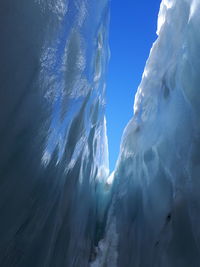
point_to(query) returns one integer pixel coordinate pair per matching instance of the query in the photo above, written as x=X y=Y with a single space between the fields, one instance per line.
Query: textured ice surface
x=53 y=147
x=53 y=144
x=156 y=203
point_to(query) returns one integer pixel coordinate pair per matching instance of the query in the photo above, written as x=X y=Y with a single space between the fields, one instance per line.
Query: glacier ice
x=53 y=156
x=58 y=204
x=155 y=204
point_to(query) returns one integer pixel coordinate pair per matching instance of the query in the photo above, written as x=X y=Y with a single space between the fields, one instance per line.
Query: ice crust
x=156 y=201
x=53 y=145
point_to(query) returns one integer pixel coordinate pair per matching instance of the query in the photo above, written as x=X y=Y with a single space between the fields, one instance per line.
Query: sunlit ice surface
x=59 y=205
x=154 y=216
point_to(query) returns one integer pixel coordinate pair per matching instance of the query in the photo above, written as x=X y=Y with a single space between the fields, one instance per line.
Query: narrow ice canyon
x=59 y=205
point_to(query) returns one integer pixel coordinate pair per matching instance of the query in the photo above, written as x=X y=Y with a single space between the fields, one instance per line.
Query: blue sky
x=132 y=31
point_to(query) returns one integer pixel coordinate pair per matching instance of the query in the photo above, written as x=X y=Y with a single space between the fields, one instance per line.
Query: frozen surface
x=53 y=146
x=155 y=209
x=54 y=158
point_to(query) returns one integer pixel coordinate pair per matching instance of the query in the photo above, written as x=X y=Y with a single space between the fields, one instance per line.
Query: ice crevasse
x=53 y=144
x=154 y=217
x=56 y=208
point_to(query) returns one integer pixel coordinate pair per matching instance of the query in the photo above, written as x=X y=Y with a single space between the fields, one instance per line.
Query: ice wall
x=53 y=146
x=155 y=214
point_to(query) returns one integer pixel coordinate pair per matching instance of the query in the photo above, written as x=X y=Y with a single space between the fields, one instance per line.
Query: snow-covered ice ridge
x=155 y=210
x=53 y=144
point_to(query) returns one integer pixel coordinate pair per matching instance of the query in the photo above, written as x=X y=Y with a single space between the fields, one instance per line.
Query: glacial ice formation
x=56 y=207
x=53 y=156
x=154 y=219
